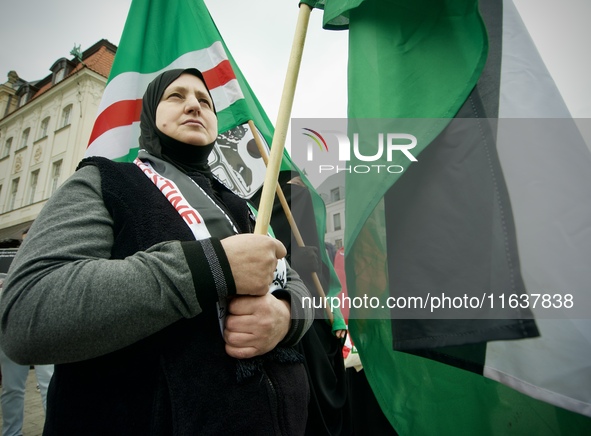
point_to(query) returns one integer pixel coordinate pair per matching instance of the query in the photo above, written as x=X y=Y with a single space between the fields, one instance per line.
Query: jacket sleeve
x=302 y=312
x=64 y=300
x=295 y=291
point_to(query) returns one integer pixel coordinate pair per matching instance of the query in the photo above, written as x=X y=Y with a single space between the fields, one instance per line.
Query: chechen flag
x=160 y=35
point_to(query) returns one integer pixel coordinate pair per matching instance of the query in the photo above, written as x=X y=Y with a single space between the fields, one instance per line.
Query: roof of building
x=98 y=58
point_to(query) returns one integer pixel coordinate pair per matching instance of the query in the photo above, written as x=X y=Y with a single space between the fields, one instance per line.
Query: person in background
x=123 y=284
x=322 y=345
x=14 y=381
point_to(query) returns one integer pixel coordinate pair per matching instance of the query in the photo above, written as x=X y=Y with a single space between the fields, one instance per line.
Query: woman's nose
x=192 y=104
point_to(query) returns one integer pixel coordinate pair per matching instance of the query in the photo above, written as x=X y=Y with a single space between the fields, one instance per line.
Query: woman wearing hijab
x=121 y=283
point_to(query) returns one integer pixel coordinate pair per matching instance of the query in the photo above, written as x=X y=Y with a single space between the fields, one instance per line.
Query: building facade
x=332 y=191
x=44 y=130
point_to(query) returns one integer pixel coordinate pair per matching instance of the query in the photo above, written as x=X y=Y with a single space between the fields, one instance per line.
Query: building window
x=338 y=243
x=25 y=138
x=335 y=195
x=33 y=186
x=12 y=197
x=66 y=115
x=336 y=220
x=44 y=126
x=61 y=68
x=23 y=99
x=25 y=93
x=7 y=146
x=59 y=75
x=55 y=175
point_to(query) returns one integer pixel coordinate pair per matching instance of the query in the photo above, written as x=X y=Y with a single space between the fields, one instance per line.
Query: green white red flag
x=121 y=103
x=160 y=35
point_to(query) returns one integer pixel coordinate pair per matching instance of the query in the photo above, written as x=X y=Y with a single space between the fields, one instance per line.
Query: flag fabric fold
x=336 y=14
x=456 y=220
x=547 y=176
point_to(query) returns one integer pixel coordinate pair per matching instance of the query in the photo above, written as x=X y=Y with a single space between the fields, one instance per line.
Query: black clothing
x=179 y=381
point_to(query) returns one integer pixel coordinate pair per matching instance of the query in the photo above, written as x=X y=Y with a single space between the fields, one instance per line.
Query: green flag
x=156 y=38
x=447 y=223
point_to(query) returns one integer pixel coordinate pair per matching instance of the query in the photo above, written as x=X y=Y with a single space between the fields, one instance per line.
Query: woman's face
x=185 y=112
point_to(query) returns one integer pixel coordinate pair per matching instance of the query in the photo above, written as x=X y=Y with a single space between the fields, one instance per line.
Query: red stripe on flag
x=126 y=112
x=219 y=75
x=121 y=113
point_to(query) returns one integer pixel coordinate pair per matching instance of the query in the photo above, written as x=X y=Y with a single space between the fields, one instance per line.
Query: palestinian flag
x=163 y=34
x=496 y=205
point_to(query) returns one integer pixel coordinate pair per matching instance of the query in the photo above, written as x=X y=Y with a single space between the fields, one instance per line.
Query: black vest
x=179 y=381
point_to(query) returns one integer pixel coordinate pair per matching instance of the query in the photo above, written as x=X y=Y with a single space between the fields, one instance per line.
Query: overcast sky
x=35 y=33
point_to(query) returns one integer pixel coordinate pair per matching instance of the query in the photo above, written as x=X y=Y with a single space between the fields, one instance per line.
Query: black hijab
x=186 y=157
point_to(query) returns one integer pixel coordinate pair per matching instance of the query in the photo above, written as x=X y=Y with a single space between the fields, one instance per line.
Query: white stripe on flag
x=116 y=142
x=548 y=174
x=132 y=85
x=224 y=96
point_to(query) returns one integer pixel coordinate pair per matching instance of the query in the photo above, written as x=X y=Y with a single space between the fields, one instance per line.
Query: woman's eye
x=175 y=95
x=205 y=102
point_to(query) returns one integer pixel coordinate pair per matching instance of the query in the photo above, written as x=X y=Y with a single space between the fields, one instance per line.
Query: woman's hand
x=253 y=259
x=255 y=325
